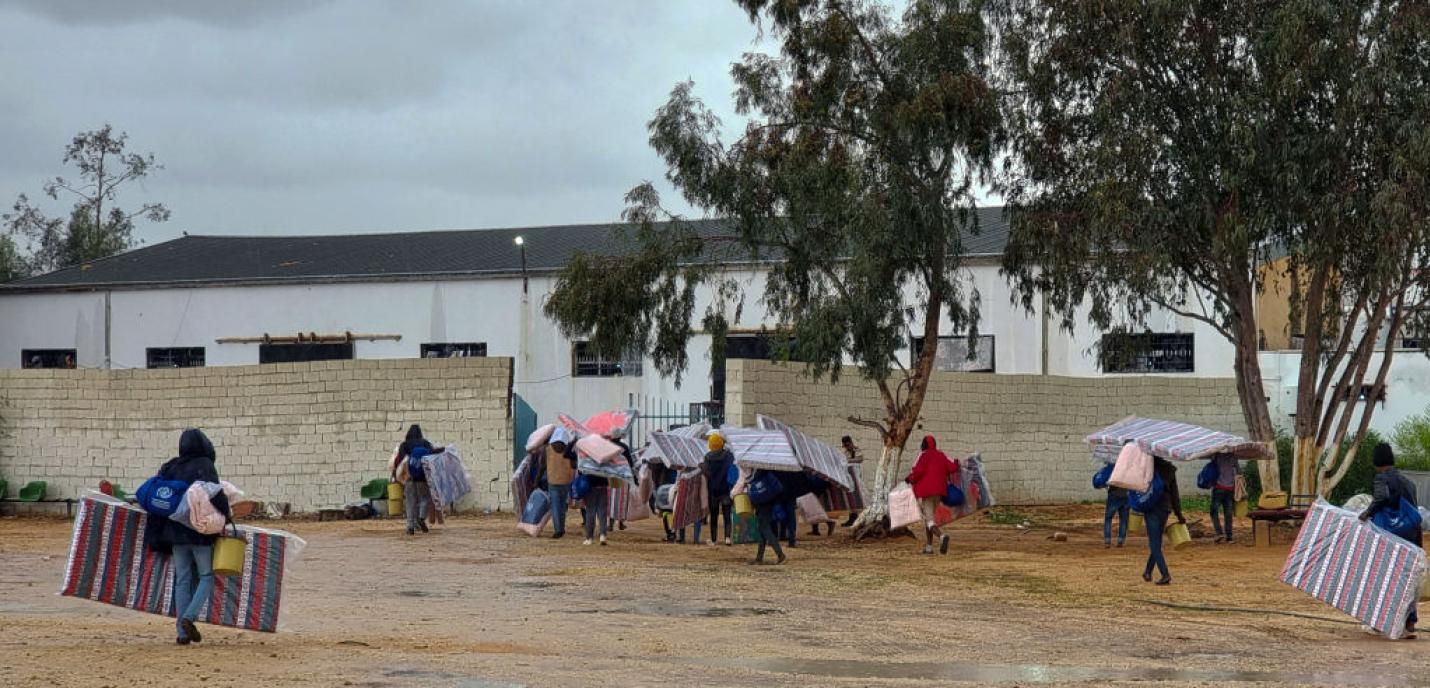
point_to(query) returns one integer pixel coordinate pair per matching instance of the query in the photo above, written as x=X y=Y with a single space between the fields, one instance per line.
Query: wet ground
x=478 y=604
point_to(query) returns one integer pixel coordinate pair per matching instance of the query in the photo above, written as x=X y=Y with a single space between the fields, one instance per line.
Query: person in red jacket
x=930 y=482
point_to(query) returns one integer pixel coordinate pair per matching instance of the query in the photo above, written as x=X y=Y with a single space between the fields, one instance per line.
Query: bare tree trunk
x=1254 y=410
x=874 y=519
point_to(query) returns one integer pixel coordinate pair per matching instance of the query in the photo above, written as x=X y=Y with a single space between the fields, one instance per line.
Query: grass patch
x=1007 y=517
x=1197 y=503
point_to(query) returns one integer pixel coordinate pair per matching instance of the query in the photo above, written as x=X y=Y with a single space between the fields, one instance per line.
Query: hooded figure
x=195 y=463
x=930 y=482
x=192 y=551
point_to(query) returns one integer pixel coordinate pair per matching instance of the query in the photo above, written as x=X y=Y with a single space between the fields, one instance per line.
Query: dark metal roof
x=217 y=260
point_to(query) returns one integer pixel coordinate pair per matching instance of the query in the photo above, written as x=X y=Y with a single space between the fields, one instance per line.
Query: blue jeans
x=1120 y=507
x=560 y=497
x=597 y=505
x=192 y=561
x=1156 y=526
x=1223 y=502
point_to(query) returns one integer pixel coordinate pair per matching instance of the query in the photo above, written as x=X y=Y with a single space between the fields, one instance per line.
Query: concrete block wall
x=1029 y=428
x=305 y=433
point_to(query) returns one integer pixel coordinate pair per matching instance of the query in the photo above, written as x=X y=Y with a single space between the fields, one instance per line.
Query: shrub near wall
x=1030 y=428
x=304 y=433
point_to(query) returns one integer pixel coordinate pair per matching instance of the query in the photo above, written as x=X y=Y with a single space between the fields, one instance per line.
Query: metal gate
x=656 y=414
x=524 y=422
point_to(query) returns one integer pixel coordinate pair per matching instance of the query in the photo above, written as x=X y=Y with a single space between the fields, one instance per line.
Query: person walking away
x=416 y=494
x=192 y=551
x=765 y=518
x=855 y=458
x=1224 y=496
x=1390 y=487
x=617 y=437
x=929 y=479
x=1117 y=503
x=795 y=484
x=560 y=471
x=598 y=505
x=716 y=468
x=1170 y=502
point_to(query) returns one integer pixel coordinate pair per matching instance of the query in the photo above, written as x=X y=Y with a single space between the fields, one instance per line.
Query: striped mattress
x=1356 y=567
x=828 y=462
x=108 y=563
x=1172 y=440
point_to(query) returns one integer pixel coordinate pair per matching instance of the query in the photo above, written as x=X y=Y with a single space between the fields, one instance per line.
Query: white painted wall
x=1407 y=388
x=480 y=310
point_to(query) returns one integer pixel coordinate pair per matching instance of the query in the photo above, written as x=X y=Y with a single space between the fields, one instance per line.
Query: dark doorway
x=297 y=353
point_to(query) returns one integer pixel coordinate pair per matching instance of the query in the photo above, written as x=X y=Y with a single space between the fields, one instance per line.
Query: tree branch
x=883 y=432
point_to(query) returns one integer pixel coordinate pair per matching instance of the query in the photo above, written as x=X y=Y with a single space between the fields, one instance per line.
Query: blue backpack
x=1403 y=522
x=765 y=489
x=414 y=463
x=732 y=476
x=953 y=496
x=581 y=486
x=1206 y=479
x=1100 y=478
x=161 y=497
x=1145 y=502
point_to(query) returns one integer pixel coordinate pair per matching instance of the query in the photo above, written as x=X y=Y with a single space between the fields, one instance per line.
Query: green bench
x=34 y=493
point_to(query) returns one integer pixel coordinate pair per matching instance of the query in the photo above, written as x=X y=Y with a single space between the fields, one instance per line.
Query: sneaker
x=1165 y=581
x=423 y=526
x=1220 y=539
x=943 y=545
x=928 y=549
x=728 y=542
x=603 y=540
x=181 y=641
x=1106 y=543
x=557 y=536
x=411 y=531
x=622 y=525
x=1119 y=543
x=191 y=631
x=587 y=541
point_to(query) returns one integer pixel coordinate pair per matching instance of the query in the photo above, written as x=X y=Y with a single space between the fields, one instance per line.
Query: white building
x=232 y=300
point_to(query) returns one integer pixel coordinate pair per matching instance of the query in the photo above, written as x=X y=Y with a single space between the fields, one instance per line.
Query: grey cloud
x=90 y=13
x=362 y=115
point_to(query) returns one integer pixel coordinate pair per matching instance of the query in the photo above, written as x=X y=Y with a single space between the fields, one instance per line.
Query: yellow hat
x=717 y=442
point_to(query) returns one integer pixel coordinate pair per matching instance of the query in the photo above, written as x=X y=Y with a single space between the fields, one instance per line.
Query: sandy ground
x=478 y=604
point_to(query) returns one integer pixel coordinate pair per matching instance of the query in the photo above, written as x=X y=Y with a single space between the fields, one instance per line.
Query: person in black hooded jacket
x=192 y=550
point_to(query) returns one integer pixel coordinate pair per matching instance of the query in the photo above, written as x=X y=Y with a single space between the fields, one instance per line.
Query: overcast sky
x=310 y=116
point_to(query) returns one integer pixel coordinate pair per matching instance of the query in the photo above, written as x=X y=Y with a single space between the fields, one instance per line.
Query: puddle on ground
x=535 y=584
x=689 y=612
x=1033 y=673
x=428 y=678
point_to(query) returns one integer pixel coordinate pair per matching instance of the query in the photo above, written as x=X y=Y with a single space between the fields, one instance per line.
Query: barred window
x=174 y=357
x=585 y=362
x=1147 y=352
x=455 y=350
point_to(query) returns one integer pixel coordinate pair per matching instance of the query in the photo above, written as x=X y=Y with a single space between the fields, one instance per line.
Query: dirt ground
x=478 y=604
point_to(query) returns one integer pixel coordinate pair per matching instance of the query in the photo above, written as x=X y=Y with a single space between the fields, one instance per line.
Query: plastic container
x=1272 y=500
x=743 y=505
x=1135 y=524
x=1242 y=509
x=394 y=492
x=394 y=508
x=1178 y=536
x=229 y=551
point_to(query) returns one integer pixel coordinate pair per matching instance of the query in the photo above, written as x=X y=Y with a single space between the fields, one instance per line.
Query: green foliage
x=1358 y=478
x=12 y=264
x=1160 y=152
x=1006 y=517
x=1411 y=439
x=852 y=182
x=96 y=227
